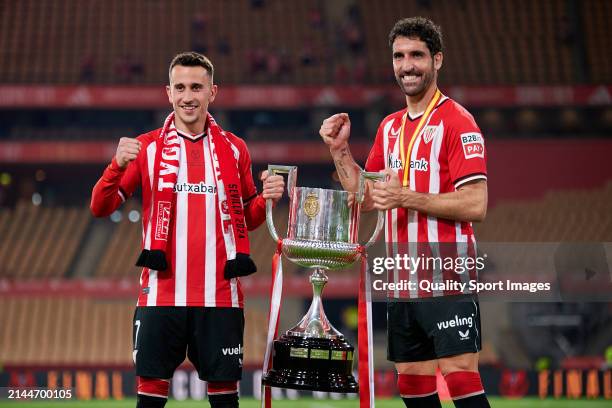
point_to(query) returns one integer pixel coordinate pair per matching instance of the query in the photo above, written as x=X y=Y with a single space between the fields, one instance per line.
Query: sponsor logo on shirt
x=394 y=163
x=195 y=188
x=473 y=145
x=163 y=220
x=419 y=165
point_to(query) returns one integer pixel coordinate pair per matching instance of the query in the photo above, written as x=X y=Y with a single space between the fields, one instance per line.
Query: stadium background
x=77 y=75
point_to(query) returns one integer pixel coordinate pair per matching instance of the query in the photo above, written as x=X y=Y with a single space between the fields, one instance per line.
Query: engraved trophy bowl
x=322 y=234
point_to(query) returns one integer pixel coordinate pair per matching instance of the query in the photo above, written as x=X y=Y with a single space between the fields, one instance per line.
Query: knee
x=464 y=362
x=417 y=368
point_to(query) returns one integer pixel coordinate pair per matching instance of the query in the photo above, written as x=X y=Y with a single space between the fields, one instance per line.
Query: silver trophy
x=322 y=234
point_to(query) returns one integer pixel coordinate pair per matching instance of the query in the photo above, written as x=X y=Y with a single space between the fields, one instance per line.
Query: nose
x=187 y=96
x=407 y=65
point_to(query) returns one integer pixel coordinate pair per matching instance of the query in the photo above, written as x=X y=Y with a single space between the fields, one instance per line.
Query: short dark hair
x=420 y=27
x=192 y=59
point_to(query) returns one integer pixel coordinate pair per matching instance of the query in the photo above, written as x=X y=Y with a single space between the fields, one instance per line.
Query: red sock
x=418 y=391
x=222 y=387
x=463 y=384
x=416 y=386
x=153 y=387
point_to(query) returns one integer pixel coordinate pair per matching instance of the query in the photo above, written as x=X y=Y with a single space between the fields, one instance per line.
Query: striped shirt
x=196 y=251
x=448 y=152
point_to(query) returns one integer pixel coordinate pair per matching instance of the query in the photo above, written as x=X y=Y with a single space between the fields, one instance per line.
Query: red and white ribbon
x=276 y=296
x=364 y=334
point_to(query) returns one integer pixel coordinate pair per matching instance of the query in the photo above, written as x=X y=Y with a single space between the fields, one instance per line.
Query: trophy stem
x=318 y=279
x=315 y=322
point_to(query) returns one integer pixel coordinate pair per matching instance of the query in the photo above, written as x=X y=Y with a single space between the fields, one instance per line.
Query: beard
x=423 y=82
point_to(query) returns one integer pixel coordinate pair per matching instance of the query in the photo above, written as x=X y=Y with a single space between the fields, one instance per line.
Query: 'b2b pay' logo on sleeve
x=473 y=145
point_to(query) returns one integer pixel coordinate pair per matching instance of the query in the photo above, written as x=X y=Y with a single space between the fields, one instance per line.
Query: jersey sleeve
x=467 y=160
x=254 y=204
x=376 y=159
x=247 y=185
x=116 y=185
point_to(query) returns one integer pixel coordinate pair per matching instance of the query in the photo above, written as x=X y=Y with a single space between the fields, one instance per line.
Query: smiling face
x=416 y=71
x=190 y=92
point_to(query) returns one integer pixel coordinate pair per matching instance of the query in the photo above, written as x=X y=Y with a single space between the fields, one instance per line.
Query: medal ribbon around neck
x=424 y=119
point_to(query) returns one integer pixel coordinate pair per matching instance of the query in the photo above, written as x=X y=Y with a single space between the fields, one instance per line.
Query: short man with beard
x=433 y=153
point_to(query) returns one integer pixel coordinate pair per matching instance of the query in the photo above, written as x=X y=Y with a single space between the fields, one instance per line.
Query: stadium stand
x=57 y=232
x=80 y=331
x=517 y=41
x=559 y=216
x=122 y=250
x=508 y=47
x=91 y=44
x=597 y=38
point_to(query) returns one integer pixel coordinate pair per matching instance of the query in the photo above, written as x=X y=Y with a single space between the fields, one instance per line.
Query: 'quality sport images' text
x=459 y=265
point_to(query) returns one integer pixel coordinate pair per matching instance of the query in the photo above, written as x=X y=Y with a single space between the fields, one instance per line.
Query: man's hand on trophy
x=388 y=194
x=273 y=186
x=336 y=130
x=127 y=151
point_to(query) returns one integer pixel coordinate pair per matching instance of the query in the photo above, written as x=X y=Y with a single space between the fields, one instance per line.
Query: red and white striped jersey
x=196 y=248
x=448 y=152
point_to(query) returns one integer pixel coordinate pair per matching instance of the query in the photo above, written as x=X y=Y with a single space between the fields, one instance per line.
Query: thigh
x=216 y=342
x=406 y=339
x=458 y=362
x=160 y=340
x=453 y=323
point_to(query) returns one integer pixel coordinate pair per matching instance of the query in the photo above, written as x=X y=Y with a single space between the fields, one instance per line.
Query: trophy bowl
x=322 y=228
x=322 y=234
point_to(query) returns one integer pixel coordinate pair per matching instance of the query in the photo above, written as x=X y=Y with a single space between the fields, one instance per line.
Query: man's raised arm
x=335 y=132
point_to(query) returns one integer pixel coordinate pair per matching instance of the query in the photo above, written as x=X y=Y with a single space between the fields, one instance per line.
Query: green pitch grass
x=311 y=403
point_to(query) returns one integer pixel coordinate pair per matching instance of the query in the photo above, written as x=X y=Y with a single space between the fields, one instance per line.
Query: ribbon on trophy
x=364 y=336
x=276 y=295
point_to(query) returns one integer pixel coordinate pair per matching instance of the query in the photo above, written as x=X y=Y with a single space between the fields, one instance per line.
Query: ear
x=438 y=58
x=213 y=93
x=169 y=93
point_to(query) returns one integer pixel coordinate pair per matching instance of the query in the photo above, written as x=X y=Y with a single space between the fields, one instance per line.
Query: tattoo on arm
x=342 y=172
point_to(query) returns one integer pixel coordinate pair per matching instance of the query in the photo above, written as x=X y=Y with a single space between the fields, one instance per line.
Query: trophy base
x=312 y=364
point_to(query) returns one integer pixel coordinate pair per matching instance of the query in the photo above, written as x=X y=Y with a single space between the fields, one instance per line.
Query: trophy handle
x=374 y=176
x=291 y=172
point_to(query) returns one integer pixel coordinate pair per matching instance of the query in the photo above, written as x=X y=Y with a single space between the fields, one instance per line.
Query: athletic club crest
x=428 y=133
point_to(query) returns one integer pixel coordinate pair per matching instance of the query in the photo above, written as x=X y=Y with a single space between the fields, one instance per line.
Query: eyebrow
x=411 y=52
x=190 y=85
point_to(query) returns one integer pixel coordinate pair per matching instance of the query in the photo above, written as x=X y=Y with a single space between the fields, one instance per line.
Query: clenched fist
x=336 y=130
x=127 y=150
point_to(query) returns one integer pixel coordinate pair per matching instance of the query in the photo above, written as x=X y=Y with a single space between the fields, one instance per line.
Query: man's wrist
x=114 y=165
x=411 y=199
x=339 y=151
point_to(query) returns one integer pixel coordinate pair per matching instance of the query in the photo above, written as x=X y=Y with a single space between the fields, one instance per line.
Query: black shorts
x=211 y=337
x=428 y=329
